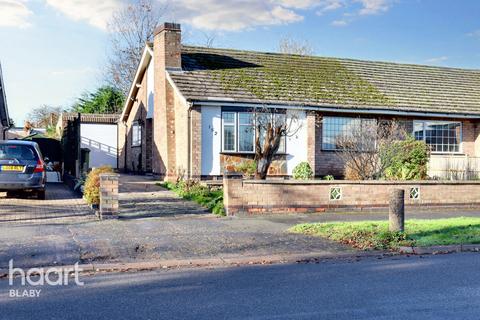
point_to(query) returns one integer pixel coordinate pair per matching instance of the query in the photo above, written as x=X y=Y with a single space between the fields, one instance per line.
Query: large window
x=440 y=136
x=238 y=130
x=336 y=128
x=136 y=134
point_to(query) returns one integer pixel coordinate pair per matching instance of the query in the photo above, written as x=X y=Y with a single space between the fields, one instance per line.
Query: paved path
x=433 y=287
x=140 y=197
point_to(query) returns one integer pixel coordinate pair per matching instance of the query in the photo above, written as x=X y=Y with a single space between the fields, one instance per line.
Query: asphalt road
x=433 y=287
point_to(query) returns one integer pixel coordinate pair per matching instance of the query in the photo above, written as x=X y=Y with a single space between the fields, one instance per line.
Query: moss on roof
x=281 y=78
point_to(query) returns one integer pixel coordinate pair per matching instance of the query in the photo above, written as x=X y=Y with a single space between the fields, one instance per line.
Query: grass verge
x=367 y=235
x=189 y=190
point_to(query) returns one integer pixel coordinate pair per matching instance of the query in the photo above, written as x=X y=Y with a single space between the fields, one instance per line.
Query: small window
x=136 y=134
x=228 y=122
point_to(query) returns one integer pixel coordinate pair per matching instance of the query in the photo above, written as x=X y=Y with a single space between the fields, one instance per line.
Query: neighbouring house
x=95 y=132
x=188 y=107
x=4 y=117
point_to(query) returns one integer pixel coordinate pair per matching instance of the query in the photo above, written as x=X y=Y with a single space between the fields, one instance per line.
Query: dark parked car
x=22 y=168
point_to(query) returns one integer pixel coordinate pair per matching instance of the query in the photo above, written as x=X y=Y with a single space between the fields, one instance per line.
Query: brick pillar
x=232 y=187
x=108 y=195
x=196 y=144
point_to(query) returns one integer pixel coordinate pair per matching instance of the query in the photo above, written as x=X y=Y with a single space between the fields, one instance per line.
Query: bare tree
x=209 y=39
x=363 y=147
x=43 y=116
x=293 y=46
x=130 y=29
x=271 y=128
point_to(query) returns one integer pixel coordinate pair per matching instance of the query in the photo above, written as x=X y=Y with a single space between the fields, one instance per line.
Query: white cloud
x=437 y=59
x=339 y=23
x=14 y=13
x=95 y=12
x=373 y=6
x=231 y=15
x=475 y=34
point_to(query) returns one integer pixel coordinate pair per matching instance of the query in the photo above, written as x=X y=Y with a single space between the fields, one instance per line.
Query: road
x=431 y=287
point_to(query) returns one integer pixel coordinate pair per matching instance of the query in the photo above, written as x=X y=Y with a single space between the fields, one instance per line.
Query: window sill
x=137 y=146
x=236 y=153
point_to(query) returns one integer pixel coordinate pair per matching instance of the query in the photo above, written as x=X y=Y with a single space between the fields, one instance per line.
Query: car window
x=11 y=151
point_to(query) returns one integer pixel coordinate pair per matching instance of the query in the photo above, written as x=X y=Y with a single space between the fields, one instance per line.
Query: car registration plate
x=12 y=168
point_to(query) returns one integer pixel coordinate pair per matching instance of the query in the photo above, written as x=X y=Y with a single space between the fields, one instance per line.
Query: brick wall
x=196 y=143
x=167 y=54
x=136 y=156
x=251 y=197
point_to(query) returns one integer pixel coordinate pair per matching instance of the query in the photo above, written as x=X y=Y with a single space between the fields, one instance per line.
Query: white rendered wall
x=211 y=140
x=297 y=143
x=101 y=139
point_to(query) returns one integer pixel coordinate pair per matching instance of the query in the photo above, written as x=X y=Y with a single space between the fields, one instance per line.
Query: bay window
x=440 y=136
x=238 y=131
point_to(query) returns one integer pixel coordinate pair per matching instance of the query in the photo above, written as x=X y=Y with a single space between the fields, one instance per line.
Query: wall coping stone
x=365 y=182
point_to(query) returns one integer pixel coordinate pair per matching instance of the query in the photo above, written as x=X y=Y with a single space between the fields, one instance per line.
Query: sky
x=52 y=51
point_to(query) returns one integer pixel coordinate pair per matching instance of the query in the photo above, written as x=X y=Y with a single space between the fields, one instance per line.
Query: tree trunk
x=263 y=165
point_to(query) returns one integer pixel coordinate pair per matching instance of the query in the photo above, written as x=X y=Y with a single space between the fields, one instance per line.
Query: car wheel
x=41 y=194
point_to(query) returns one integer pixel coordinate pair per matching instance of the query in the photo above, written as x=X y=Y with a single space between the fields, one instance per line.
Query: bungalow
x=188 y=106
x=4 y=117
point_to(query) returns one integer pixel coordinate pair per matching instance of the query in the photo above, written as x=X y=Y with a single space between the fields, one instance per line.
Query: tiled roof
x=256 y=77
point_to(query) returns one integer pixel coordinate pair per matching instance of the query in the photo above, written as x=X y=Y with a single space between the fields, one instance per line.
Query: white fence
x=454 y=167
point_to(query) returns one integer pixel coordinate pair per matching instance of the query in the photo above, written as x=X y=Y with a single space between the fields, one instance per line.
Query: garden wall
x=243 y=197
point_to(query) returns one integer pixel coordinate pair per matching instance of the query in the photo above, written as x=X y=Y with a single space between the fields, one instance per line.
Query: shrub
x=247 y=167
x=92 y=184
x=329 y=177
x=302 y=171
x=406 y=160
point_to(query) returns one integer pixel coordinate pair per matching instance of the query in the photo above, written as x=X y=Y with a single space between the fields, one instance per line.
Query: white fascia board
x=2 y=85
x=327 y=108
x=146 y=57
x=175 y=88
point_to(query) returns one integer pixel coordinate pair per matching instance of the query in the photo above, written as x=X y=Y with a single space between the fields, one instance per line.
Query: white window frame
x=234 y=131
x=136 y=134
x=237 y=136
x=423 y=123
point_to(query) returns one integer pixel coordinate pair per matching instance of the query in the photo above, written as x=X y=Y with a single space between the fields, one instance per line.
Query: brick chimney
x=167 y=44
x=166 y=56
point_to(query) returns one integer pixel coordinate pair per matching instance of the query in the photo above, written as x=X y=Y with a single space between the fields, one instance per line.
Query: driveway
x=60 y=205
x=154 y=224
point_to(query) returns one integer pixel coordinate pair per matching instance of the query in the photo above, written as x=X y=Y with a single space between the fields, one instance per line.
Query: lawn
x=189 y=190
x=418 y=232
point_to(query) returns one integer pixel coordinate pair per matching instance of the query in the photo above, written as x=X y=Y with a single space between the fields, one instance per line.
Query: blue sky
x=53 y=50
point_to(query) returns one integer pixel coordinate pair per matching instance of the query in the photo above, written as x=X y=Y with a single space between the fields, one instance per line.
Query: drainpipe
x=189 y=167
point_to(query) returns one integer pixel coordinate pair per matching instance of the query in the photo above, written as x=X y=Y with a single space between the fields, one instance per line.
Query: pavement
x=156 y=225
x=416 y=287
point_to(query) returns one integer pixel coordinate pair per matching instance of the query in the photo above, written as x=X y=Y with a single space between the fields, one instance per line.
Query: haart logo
x=39 y=277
